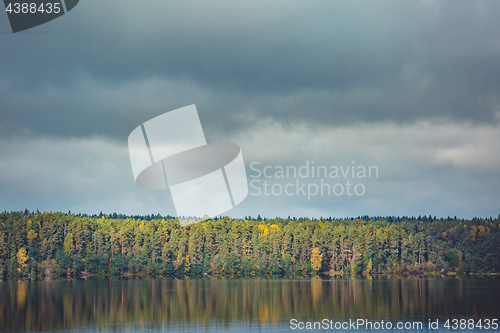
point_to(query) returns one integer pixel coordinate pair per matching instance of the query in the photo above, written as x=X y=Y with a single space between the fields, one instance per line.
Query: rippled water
x=241 y=305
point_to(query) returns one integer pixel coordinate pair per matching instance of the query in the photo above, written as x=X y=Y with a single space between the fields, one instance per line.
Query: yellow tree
x=316 y=259
x=369 y=267
x=69 y=247
x=22 y=257
x=263 y=229
x=187 y=265
x=178 y=260
x=31 y=236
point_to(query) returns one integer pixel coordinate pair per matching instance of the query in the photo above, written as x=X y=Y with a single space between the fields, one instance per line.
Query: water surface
x=239 y=305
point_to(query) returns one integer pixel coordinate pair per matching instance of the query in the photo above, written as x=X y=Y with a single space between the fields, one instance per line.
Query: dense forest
x=45 y=245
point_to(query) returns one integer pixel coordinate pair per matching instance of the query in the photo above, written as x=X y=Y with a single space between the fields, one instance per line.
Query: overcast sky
x=412 y=87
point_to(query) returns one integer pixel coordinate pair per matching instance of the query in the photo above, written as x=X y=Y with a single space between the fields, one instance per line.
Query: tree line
x=44 y=245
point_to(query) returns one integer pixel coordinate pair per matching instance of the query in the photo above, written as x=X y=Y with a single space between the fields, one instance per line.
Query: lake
x=248 y=304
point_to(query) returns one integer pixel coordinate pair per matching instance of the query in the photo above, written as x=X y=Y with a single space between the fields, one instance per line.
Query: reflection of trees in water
x=108 y=304
x=21 y=293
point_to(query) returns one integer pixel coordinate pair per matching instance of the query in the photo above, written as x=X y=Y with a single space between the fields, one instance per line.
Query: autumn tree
x=316 y=259
x=69 y=247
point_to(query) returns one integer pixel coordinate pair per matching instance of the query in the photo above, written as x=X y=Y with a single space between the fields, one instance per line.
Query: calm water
x=240 y=305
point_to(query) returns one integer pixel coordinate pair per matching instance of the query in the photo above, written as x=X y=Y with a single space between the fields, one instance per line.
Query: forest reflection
x=69 y=305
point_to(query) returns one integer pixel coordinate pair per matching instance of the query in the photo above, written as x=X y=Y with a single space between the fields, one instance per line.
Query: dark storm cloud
x=317 y=61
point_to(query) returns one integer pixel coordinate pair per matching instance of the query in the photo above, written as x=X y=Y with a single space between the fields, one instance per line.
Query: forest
x=49 y=245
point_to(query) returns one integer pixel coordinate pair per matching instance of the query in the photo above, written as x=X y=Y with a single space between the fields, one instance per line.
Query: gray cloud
x=410 y=86
x=426 y=168
x=82 y=175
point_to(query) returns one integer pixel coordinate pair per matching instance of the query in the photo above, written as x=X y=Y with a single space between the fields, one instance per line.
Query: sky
x=409 y=87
